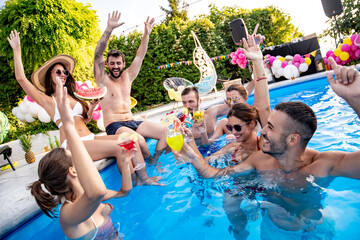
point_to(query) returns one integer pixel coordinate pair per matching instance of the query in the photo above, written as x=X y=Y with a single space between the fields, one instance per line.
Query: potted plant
x=25 y=143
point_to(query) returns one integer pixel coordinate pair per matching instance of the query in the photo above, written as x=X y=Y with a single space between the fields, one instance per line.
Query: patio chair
x=6 y=152
x=174 y=86
x=208 y=76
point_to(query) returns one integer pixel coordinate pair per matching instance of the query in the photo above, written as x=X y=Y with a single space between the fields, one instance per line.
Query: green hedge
x=51 y=27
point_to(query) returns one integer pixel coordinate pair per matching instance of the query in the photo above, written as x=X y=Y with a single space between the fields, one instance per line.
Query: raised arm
x=261 y=95
x=27 y=86
x=346 y=85
x=135 y=66
x=84 y=168
x=99 y=60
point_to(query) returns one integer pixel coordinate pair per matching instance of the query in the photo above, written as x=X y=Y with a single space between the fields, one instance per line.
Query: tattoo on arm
x=101 y=46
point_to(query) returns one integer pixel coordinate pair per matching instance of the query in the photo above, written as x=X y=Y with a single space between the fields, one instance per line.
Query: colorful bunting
x=169 y=65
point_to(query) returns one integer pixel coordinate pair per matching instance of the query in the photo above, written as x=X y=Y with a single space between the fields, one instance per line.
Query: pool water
x=190 y=207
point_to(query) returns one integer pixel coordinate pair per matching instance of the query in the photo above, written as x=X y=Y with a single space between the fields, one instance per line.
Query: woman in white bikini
x=72 y=180
x=44 y=79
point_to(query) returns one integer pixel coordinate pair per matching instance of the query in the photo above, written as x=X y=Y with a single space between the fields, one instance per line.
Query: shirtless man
x=236 y=93
x=298 y=173
x=116 y=103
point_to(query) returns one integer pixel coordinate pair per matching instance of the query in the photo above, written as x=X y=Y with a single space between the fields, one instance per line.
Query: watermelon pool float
x=4 y=126
x=91 y=93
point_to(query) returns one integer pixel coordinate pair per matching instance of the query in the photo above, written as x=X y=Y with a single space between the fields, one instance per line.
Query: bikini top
x=76 y=111
x=234 y=159
x=105 y=231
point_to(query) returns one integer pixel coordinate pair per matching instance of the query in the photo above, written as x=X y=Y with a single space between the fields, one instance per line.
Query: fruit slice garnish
x=134 y=137
x=177 y=124
x=167 y=120
x=124 y=136
x=185 y=111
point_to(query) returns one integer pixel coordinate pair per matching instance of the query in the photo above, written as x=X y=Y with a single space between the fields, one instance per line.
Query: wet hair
x=70 y=85
x=115 y=53
x=304 y=117
x=245 y=112
x=187 y=90
x=240 y=89
x=53 y=171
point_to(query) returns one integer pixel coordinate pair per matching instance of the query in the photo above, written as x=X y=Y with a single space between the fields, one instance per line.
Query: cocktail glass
x=127 y=141
x=198 y=119
x=186 y=121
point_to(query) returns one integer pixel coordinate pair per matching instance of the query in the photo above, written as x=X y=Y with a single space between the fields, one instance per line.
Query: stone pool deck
x=18 y=205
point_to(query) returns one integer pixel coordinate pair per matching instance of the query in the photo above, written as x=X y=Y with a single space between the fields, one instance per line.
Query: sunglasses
x=236 y=127
x=65 y=72
x=234 y=100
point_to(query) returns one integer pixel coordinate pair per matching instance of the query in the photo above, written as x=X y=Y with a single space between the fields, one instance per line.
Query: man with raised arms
x=116 y=103
x=294 y=204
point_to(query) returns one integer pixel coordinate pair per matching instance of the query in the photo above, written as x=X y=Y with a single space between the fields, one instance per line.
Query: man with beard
x=294 y=175
x=116 y=103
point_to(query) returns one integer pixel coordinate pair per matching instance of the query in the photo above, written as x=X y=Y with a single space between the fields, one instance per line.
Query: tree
x=174 y=11
x=48 y=28
x=348 y=20
x=172 y=42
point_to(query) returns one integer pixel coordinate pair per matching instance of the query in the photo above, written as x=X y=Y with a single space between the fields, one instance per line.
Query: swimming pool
x=189 y=207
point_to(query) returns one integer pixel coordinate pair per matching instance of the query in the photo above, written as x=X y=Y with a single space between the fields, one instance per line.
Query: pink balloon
x=235 y=57
x=353 y=47
x=352 y=38
x=241 y=55
x=343 y=63
x=293 y=62
x=325 y=60
x=337 y=60
x=29 y=98
x=302 y=60
x=272 y=59
x=232 y=55
x=351 y=54
x=238 y=51
x=284 y=64
x=357 y=53
x=242 y=65
x=297 y=58
x=297 y=64
x=328 y=53
x=82 y=88
x=233 y=61
x=96 y=115
x=345 y=47
x=333 y=56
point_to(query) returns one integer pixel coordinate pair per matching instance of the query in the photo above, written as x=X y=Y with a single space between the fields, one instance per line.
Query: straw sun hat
x=38 y=77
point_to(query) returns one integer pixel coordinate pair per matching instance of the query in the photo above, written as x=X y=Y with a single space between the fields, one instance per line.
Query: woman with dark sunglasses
x=44 y=78
x=243 y=120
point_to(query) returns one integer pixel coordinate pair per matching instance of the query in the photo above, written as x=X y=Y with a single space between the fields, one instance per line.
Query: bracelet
x=263 y=78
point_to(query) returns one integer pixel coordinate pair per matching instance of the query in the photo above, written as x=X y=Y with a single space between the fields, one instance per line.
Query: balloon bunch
x=345 y=53
x=290 y=66
x=28 y=110
x=97 y=113
x=238 y=57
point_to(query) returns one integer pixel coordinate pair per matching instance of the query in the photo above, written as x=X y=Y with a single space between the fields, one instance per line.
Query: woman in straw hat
x=73 y=181
x=44 y=79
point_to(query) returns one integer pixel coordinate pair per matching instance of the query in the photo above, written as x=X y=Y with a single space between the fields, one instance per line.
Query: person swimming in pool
x=116 y=104
x=295 y=173
x=72 y=180
x=235 y=93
